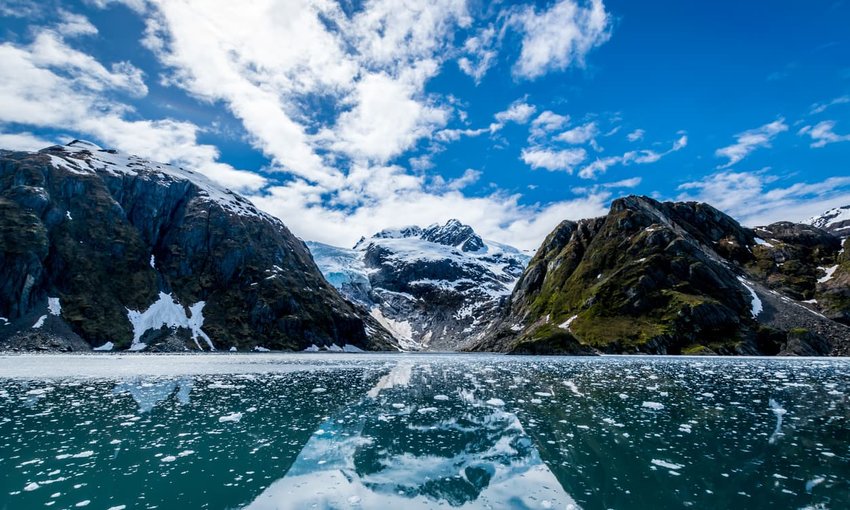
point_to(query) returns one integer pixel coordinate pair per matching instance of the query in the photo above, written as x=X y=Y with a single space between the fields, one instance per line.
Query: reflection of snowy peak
x=835 y=221
x=432 y=288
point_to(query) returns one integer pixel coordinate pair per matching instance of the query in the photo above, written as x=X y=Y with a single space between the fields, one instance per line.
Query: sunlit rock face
x=434 y=288
x=677 y=278
x=102 y=249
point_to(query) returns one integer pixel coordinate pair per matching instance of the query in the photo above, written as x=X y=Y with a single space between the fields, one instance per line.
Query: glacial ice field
x=409 y=431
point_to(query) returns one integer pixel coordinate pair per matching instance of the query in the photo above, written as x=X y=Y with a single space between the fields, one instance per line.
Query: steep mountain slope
x=110 y=250
x=832 y=291
x=435 y=288
x=671 y=278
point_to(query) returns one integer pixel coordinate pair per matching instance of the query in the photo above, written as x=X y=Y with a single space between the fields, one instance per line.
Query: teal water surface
x=267 y=431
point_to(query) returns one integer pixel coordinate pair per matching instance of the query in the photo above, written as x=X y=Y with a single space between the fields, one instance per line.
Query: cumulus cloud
x=564 y=160
x=759 y=198
x=562 y=35
x=519 y=111
x=47 y=83
x=25 y=141
x=636 y=135
x=479 y=53
x=639 y=157
x=579 y=134
x=822 y=134
x=749 y=141
x=547 y=122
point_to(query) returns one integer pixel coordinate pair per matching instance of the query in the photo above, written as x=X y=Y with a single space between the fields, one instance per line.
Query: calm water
x=422 y=431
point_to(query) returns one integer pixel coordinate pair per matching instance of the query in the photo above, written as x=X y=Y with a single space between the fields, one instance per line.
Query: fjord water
x=422 y=431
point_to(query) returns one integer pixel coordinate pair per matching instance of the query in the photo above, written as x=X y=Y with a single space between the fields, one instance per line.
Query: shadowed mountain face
x=104 y=249
x=678 y=278
x=435 y=288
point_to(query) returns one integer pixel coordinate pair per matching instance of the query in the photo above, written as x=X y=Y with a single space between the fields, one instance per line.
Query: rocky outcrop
x=128 y=253
x=436 y=288
x=670 y=278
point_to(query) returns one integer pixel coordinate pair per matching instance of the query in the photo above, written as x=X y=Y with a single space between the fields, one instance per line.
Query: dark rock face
x=107 y=235
x=436 y=288
x=669 y=278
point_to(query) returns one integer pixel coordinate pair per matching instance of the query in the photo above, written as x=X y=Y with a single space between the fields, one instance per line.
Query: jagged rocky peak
x=109 y=250
x=665 y=277
x=836 y=221
x=434 y=288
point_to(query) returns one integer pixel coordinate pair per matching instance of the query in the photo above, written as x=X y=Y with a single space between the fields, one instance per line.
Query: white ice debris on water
x=233 y=349
x=497 y=402
x=667 y=465
x=756 y=307
x=166 y=311
x=108 y=346
x=53 y=306
x=566 y=324
x=655 y=406
x=232 y=417
x=779 y=412
x=351 y=348
x=334 y=348
x=40 y=322
x=312 y=348
x=260 y=348
x=830 y=271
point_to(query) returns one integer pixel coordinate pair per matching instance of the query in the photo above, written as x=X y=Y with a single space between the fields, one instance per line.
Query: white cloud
x=639 y=157
x=564 y=160
x=579 y=134
x=822 y=134
x=636 y=135
x=749 y=141
x=625 y=183
x=73 y=25
x=519 y=111
x=547 y=122
x=480 y=53
x=23 y=142
x=758 y=198
x=559 y=36
x=822 y=107
x=49 y=84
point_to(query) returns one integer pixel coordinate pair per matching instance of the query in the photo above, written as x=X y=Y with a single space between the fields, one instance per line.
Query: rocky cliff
x=673 y=278
x=113 y=251
x=434 y=288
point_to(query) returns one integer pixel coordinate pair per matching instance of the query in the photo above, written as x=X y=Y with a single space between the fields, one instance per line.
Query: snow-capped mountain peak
x=436 y=285
x=836 y=221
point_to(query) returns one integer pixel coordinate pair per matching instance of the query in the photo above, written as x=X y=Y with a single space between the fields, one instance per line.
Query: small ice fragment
x=667 y=465
x=318 y=390
x=233 y=349
x=234 y=417
x=655 y=406
x=83 y=503
x=169 y=458
x=108 y=346
x=32 y=486
x=441 y=397
x=496 y=402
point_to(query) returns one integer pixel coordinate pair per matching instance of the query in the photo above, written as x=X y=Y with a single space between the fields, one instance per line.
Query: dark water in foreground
x=422 y=431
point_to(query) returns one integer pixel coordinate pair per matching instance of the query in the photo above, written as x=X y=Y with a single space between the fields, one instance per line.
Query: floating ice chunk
x=260 y=348
x=496 y=402
x=814 y=482
x=312 y=348
x=318 y=390
x=779 y=412
x=334 y=348
x=83 y=503
x=32 y=486
x=351 y=348
x=119 y=507
x=424 y=410
x=232 y=417
x=108 y=346
x=655 y=406
x=441 y=397
x=169 y=458
x=666 y=465
x=399 y=406
x=233 y=349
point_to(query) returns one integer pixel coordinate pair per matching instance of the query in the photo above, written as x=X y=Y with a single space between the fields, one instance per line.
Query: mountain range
x=109 y=251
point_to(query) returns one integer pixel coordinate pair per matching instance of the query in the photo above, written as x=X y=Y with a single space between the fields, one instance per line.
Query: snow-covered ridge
x=83 y=157
x=836 y=220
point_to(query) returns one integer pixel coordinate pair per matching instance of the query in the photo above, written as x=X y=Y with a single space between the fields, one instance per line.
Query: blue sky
x=346 y=118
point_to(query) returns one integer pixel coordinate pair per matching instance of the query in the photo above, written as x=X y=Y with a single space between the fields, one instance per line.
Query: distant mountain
x=835 y=221
x=678 y=278
x=433 y=288
x=107 y=250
